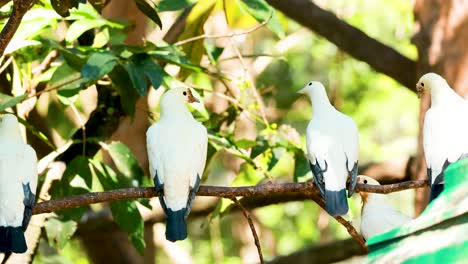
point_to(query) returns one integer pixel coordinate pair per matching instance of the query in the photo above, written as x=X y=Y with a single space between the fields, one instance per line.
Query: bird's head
x=181 y=94
x=176 y=99
x=312 y=87
x=366 y=180
x=429 y=81
x=9 y=128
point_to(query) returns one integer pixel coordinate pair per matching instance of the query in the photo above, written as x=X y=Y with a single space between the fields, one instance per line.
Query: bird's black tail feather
x=336 y=202
x=12 y=239
x=436 y=189
x=176 y=228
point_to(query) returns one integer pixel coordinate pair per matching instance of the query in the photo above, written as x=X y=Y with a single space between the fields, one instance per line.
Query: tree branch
x=305 y=188
x=324 y=253
x=265 y=191
x=252 y=228
x=356 y=43
x=20 y=7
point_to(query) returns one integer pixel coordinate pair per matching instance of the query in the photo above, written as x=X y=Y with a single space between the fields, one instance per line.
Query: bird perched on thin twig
x=18 y=182
x=332 y=145
x=177 y=146
x=445 y=130
x=377 y=215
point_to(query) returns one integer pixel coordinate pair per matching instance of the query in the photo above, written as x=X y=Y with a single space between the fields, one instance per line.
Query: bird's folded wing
x=199 y=156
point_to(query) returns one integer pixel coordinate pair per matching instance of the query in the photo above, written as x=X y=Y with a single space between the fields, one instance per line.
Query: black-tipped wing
x=28 y=202
x=353 y=173
x=317 y=172
x=160 y=191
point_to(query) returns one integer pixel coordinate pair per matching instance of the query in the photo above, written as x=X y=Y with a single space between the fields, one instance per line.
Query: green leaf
x=176 y=59
x=98 y=65
x=149 y=11
x=301 y=165
x=101 y=38
x=7 y=101
x=127 y=216
x=68 y=79
x=140 y=68
x=245 y=143
x=59 y=232
x=125 y=213
x=78 y=167
x=79 y=27
x=127 y=164
x=137 y=77
x=123 y=84
x=194 y=27
x=276 y=154
x=36 y=132
x=262 y=146
x=62 y=7
x=213 y=52
x=72 y=56
x=174 y=5
x=261 y=11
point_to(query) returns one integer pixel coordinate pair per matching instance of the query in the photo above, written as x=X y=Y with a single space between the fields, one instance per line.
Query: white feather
x=377 y=215
x=18 y=166
x=177 y=146
x=331 y=137
x=445 y=127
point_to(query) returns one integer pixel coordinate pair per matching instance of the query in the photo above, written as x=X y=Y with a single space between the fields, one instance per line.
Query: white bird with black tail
x=177 y=146
x=445 y=130
x=332 y=145
x=18 y=182
x=377 y=215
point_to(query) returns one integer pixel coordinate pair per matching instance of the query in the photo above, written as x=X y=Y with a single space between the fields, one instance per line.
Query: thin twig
x=20 y=7
x=252 y=228
x=230 y=35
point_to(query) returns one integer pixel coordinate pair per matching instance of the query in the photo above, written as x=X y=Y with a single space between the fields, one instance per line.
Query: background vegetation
x=86 y=81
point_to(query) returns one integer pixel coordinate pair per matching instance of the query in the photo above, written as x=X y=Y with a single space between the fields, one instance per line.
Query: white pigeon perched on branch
x=332 y=145
x=377 y=215
x=445 y=130
x=18 y=182
x=177 y=146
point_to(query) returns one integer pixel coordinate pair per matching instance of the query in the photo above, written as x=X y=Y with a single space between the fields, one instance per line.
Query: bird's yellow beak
x=420 y=90
x=191 y=98
x=301 y=91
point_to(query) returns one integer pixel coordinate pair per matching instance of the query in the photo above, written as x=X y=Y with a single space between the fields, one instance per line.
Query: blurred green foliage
x=104 y=75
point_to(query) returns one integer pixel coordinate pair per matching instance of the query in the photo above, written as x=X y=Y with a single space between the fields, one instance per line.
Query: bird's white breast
x=15 y=167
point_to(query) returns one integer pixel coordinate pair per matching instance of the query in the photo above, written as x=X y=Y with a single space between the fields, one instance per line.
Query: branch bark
x=264 y=191
x=20 y=7
x=327 y=253
x=305 y=188
x=350 y=39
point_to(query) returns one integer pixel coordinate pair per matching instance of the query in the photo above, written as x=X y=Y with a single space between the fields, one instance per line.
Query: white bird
x=377 y=215
x=18 y=182
x=177 y=146
x=445 y=130
x=332 y=145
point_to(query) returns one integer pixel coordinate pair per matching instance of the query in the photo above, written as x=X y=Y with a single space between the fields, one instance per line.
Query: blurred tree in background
x=86 y=79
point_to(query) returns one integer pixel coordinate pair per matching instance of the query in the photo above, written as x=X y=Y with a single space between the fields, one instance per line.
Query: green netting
x=439 y=233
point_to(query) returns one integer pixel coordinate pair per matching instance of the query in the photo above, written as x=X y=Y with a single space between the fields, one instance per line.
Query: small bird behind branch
x=377 y=215
x=445 y=130
x=332 y=146
x=18 y=183
x=177 y=146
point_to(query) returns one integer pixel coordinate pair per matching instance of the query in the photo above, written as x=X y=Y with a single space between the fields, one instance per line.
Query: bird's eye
x=365 y=181
x=185 y=93
x=310 y=83
x=422 y=84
